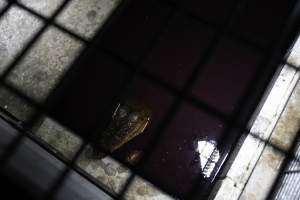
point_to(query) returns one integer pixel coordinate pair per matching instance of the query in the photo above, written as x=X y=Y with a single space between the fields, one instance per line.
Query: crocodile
x=129 y=120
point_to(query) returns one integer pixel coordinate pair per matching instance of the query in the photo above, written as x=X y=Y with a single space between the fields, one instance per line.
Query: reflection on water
x=208 y=155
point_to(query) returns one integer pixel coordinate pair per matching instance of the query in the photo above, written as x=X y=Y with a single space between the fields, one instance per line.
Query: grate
x=218 y=75
x=286 y=185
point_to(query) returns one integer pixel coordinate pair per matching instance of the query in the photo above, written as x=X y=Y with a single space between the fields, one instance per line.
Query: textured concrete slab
x=86 y=17
x=255 y=163
x=62 y=140
x=294 y=57
x=110 y=173
x=263 y=175
x=16 y=28
x=49 y=58
x=289 y=122
x=107 y=171
x=143 y=190
x=45 y=7
x=228 y=185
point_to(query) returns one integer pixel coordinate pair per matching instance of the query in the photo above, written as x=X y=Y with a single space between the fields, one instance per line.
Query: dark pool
x=168 y=44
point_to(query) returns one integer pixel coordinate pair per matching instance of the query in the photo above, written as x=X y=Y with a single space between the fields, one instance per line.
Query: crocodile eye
x=133 y=117
x=122 y=112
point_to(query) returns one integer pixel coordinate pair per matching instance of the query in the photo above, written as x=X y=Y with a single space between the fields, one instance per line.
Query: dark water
x=168 y=45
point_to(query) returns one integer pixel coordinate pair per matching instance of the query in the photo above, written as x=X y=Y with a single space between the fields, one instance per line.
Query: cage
x=163 y=90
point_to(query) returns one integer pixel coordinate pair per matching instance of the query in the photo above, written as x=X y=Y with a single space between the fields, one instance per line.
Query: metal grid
x=272 y=57
x=287 y=183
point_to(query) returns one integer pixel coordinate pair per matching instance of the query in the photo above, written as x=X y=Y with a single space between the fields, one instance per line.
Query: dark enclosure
x=201 y=67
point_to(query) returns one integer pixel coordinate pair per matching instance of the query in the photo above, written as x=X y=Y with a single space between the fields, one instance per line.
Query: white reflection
x=209 y=156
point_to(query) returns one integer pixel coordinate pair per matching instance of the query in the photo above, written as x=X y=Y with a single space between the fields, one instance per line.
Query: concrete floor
x=258 y=161
x=107 y=171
